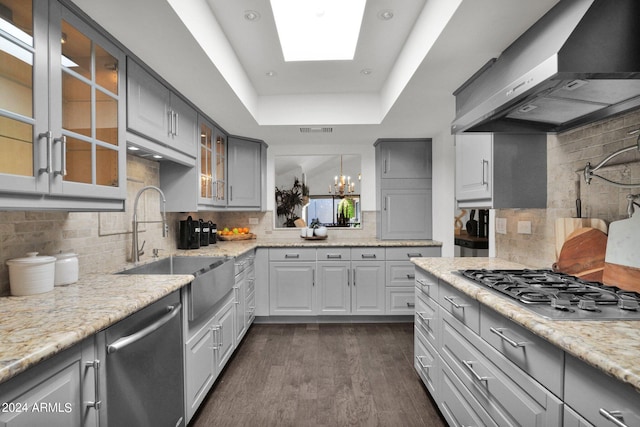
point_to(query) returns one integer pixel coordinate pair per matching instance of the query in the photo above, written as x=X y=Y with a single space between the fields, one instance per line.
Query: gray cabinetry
x=292 y=277
x=334 y=281
x=62 y=143
x=400 y=277
x=403 y=181
x=246 y=160
x=244 y=289
x=157 y=113
x=57 y=392
x=600 y=399
x=368 y=290
x=501 y=171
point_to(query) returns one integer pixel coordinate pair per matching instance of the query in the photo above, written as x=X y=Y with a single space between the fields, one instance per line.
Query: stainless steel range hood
x=578 y=64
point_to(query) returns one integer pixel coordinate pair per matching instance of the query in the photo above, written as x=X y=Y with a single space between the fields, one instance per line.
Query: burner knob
x=588 y=305
x=628 y=304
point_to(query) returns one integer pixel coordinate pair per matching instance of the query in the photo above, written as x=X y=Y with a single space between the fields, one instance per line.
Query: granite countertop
x=611 y=346
x=36 y=327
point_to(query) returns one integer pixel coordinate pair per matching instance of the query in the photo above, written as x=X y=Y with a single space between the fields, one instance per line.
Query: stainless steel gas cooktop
x=560 y=296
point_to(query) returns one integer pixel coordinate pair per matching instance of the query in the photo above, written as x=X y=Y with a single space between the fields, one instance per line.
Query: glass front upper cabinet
x=62 y=123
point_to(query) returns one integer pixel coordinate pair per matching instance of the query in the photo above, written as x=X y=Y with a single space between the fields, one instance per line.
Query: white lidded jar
x=31 y=275
x=66 y=269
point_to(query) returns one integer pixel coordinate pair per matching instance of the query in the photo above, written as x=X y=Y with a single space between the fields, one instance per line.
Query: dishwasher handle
x=121 y=343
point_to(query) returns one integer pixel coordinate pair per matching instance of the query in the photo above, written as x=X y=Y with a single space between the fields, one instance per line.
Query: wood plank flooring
x=321 y=375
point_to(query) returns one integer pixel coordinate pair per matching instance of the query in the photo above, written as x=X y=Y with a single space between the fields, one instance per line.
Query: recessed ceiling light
x=366 y=71
x=251 y=15
x=157 y=156
x=311 y=33
x=385 y=15
x=132 y=148
x=271 y=74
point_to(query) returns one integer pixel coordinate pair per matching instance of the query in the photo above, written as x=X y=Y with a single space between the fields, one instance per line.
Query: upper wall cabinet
x=230 y=175
x=156 y=113
x=61 y=111
x=404 y=158
x=501 y=170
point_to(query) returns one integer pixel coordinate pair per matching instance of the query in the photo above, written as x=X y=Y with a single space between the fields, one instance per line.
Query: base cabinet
x=57 y=392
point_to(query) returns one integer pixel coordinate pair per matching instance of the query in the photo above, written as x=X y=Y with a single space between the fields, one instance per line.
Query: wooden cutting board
x=583 y=254
x=622 y=261
x=566 y=226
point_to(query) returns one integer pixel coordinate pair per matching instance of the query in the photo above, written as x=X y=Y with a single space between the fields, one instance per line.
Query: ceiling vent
x=316 y=130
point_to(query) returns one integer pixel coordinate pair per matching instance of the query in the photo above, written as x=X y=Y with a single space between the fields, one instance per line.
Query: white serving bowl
x=320 y=231
x=31 y=275
x=66 y=267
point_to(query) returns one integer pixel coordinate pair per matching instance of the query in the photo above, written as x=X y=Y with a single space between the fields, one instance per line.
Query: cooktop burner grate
x=560 y=296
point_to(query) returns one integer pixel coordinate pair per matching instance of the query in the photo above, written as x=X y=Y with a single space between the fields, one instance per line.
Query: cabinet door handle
x=484 y=179
x=411 y=304
x=170 y=124
x=469 y=365
x=313 y=277
x=334 y=256
x=411 y=276
x=614 y=416
x=368 y=256
x=424 y=282
x=384 y=166
x=292 y=255
x=455 y=304
x=231 y=193
x=385 y=203
x=48 y=136
x=95 y=364
x=176 y=122
x=499 y=332
x=421 y=315
x=236 y=294
x=348 y=277
x=422 y=365
x=63 y=156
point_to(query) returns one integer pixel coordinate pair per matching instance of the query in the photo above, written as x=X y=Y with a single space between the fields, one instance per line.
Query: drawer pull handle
x=411 y=304
x=369 y=256
x=422 y=317
x=455 y=304
x=414 y=255
x=334 y=256
x=469 y=365
x=424 y=282
x=292 y=255
x=512 y=343
x=411 y=276
x=422 y=365
x=614 y=416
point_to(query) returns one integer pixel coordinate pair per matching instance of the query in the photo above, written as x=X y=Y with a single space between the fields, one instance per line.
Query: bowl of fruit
x=235 y=233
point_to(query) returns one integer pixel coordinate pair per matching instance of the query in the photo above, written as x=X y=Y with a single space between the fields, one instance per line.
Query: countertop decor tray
x=315 y=237
x=247 y=236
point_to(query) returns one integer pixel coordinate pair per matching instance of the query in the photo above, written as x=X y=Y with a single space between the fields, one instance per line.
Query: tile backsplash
x=567 y=156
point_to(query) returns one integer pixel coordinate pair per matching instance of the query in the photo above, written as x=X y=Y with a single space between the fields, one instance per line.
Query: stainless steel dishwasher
x=143 y=367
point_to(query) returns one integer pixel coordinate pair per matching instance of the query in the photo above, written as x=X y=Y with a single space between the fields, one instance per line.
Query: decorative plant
x=287 y=201
x=346 y=210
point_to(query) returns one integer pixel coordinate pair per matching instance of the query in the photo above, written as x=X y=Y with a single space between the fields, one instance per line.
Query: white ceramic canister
x=31 y=275
x=66 y=269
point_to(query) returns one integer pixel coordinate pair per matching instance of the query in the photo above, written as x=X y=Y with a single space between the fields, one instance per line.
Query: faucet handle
x=156 y=252
x=141 y=250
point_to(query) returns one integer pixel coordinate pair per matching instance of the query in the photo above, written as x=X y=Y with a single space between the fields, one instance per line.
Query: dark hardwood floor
x=321 y=375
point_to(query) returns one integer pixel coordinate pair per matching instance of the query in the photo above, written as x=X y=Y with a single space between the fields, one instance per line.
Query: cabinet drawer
x=292 y=254
x=426 y=284
x=540 y=359
x=595 y=395
x=333 y=254
x=503 y=390
x=400 y=273
x=426 y=321
x=407 y=252
x=364 y=254
x=454 y=402
x=400 y=300
x=464 y=308
x=426 y=362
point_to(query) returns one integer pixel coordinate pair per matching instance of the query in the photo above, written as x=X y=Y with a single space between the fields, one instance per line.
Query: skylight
x=318 y=30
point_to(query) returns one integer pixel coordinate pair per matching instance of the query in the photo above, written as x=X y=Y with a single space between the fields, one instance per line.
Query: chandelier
x=342 y=184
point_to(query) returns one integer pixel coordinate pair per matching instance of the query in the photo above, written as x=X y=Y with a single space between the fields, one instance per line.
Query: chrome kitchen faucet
x=135 y=251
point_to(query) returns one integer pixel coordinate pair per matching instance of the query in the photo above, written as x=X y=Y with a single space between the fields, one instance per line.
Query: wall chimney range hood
x=578 y=64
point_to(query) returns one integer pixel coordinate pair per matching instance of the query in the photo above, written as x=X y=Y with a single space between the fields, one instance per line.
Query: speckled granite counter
x=37 y=327
x=612 y=346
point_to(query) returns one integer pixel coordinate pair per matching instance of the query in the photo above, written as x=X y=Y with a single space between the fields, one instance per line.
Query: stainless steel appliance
x=559 y=296
x=143 y=367
x=578 y=64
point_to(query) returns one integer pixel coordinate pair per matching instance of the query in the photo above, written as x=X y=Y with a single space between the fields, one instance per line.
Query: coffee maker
x=189 y=234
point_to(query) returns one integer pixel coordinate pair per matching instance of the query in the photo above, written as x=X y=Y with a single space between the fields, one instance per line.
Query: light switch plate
x=524 y=227
x=501 y=225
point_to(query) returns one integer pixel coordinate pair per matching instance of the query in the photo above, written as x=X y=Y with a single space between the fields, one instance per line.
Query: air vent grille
x=316 y=130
